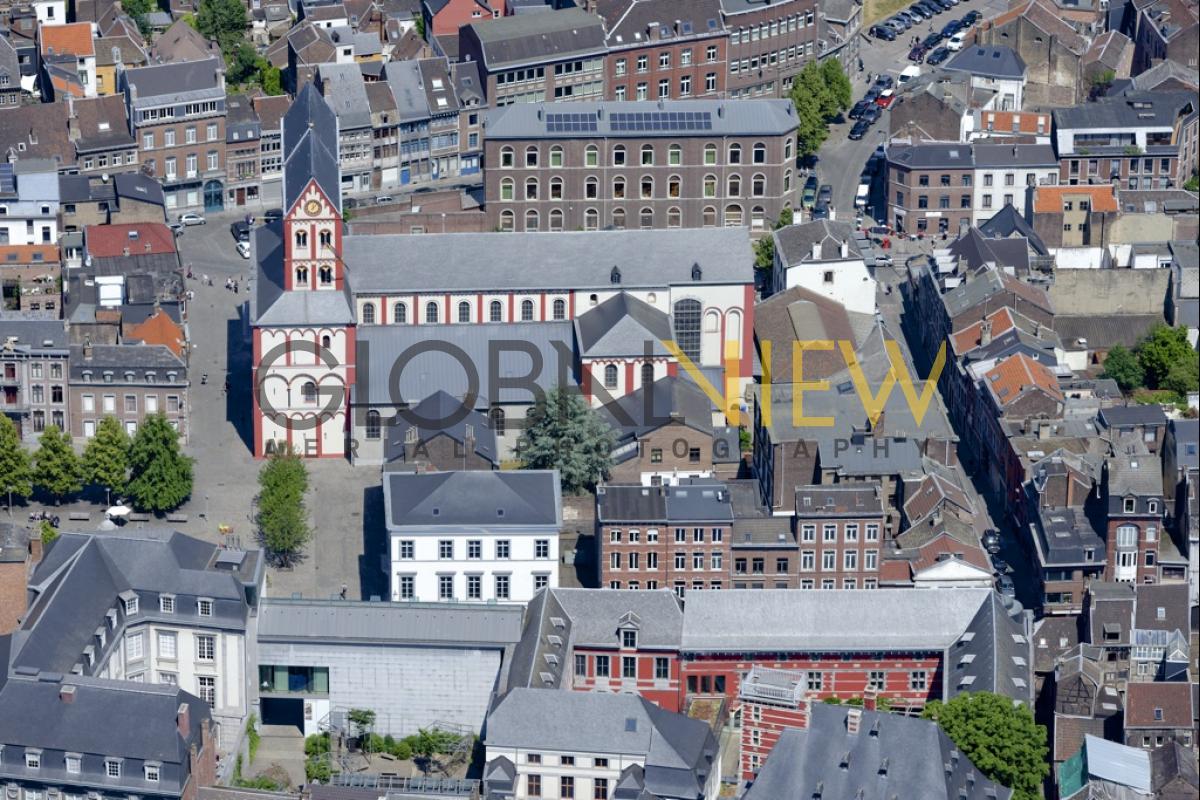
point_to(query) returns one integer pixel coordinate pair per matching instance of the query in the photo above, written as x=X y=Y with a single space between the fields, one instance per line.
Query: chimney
x=816 y=251
x=1043 y=430
x=87 y=347
x=985 y=332
x=66 y=693
x=845 y=248
x=125 y=251
x=853 y=720
x=183 y=721
x=870 y=699
x=35 y=549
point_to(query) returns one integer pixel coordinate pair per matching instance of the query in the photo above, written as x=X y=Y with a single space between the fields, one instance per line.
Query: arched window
x=647 y=187
x=618 y=219
x=301 y=238
x=733 y=216
x=760 y=153
x=325 y=275
x=591 y=219
x=674 y=217
x=496 y=311
x=308 y=393
x=591 y=189
x=710 y=185
x=507 y=158
x=675 y=155
x=647 y=375
x=619 y=155
x=787 y=148
x=735 y=154
x=646 y=218
x=610 y=376
x=464 y=311
x=556 y=189
x=326 y=341
x=531 y=220
x=527 y=311
x=710 y=154
x=647 y=155
x=498 y=421
x=368 y=313
x=556 y=219
x=618 y=188
x=506 y=189
x=712 y=322
x=734 y=187
x=507 y=220
x=431 y=311
x=591 y=156
x=710 y=217
x=374 y=427
x=560 y=309
x=531 y=156
x=758 y=185
x=674 y=186
x=302 y=276
x=399 y=313
x=733 y=326
x=787 y=180
x=531 y=188
x=758 y=218
x=687 y=327
x=325 y=238
x=556 y=156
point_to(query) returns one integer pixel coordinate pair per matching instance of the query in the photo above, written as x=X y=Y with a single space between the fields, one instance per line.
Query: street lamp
x=206 y=505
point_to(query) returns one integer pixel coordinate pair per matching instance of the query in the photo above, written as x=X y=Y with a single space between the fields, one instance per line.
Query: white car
x=243 y=249
x=192 y=218
x=957 y=41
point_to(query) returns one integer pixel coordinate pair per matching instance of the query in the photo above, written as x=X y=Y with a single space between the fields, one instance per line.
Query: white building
x=1003 y=173
x=993 y=68
x=477 y=536
x=29 y=202
x=823 y=257
x=545 y=743
x=51 y=12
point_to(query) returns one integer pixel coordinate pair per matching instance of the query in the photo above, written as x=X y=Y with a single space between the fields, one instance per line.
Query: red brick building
x=840 y=530
x=772 y=700
x=665 y=49
x=1136 y=511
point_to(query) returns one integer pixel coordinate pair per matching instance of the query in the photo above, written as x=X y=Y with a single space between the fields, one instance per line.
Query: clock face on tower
x=313 y=207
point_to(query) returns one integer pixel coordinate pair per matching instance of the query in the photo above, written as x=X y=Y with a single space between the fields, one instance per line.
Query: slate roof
x=1064 y=535
x=537 y=38
x=32 y=333
x=1137 y=474
x=839 y=500
x=345 y=92
x=628 y=22
x=310 y=149
x=1047 y=18
x=1104 y=331
x=1161 y=606
x=1014 y=155
x=755 y=117
x=270 y=305
x=795 y=243
x=990 y=61
x=120 y=358
x=931 y=155
x=581 y=260
x=42 y=128
x=891 y=756
x=1127 y=110
x=623 y=325
x=708 y=502
x=799 y=314
x=102 y=123
x=473 y=499
x=1138 y=414
x=174 y=83
x=449 y=419
x=634 y=415
x=1110 y=609
x=346 y=622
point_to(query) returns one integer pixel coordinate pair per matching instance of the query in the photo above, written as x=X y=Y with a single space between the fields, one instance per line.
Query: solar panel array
x=8 y=181
x=570 y=123
x=662 y=121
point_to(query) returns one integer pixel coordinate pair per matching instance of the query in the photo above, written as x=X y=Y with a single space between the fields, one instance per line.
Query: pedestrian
x=235 y=287
x=344 y=590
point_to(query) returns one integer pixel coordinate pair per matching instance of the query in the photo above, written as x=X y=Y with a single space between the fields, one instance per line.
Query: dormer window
x=204 y=607
x=131 y=605
x=108 y=377
x=33 y=759
x=129 y=376
x=1130 y=505
x=629 y=639
x=150 y=377
x=1152 y=507
x=112 y=767
x=166 y=603
x=152 y=772
x=74 y=761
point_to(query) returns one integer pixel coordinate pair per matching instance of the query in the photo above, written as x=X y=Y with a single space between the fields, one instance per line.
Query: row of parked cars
x=866 y=112
x=954 y=34
x=915 y=14
x=817 y=197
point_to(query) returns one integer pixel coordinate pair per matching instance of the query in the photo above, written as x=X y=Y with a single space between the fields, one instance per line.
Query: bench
x=79 y=516
x=182 y=518
x=139 y=517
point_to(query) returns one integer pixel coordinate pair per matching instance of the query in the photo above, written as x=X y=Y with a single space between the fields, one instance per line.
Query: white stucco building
x=822 y=256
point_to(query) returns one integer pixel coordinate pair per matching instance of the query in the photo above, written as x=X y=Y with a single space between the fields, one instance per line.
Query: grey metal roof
x=576 y=260
x=795 y=242
x=992 y=61
x=310 y=148
x=1014 y=155
x=891 y=756
x=623 y=325
x=1132 y=109
x=538 y=38
x=931 y=155
x=31 y=335
x=473 y=499
x=1138 y=414
x=612 y=119
x=1117 y=763
x=345 y=92
x=435 y=364
x=708 y=502
x=334 y=622
x=595 y=614
x=176 y=82
x=770 y=620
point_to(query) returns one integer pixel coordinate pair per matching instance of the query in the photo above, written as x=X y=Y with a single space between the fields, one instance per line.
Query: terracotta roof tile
x=944 y=546
x=106 y=241
x=1049 y=199
x=158 y=328
x=73 y=38
x=28 y=254
x=1015 y=374
x=969 y=337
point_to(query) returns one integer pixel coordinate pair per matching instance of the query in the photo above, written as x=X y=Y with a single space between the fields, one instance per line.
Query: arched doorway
x=214 y=196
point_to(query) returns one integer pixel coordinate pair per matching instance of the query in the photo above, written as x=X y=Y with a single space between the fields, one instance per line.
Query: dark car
x=859 y=130
x=825 y=195
x=871 y=115
x=884 y=82
x=810 y=192
x=932 y=40
x=937 y=56
x=930 y=8
x=820 y=211
x=991 y=541
x=904 y=22
x=240 y=231
x=872 y=94
x=1000 y=566
x=272 y=214
x=917 y=54
x=918 y=12
x=883 y=32
x=859 y=108
x=951 y=29
x=971 y=18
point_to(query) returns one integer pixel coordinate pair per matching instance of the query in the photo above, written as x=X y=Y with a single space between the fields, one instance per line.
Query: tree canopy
x=1163 y=350
x=160 y=474
x=106 y=456
x=56 y=469
x=16 y=468
x=999 y=736
x=224 y=21
x=1122 y=366
x=820 y=92
x=562 y=433
x=282 y=517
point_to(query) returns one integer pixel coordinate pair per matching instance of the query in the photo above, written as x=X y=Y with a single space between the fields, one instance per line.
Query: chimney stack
x=35 y=549
x=870 y=699
x=985 y=332
x=853 y=720
x=816 y=251
x=845 y=248
x=183 y=721
x=66 y=693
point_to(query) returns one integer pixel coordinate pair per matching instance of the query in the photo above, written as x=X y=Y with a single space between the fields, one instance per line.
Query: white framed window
x=33 y=759
x=73 y=763
x=152 y=772
x=204 y=607
x=206 y=648
x=131 y=605
x=207 y=686
x=166 y=603
x=112 y=767
x=168 y=645
x=134 y=647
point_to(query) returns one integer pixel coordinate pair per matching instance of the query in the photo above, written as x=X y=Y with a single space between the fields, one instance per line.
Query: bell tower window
x=326 y=275
x=326 y=238
x=301 y=238
x=302 y=275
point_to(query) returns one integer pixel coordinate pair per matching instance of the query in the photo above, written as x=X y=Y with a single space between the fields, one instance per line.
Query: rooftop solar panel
x=8 y=183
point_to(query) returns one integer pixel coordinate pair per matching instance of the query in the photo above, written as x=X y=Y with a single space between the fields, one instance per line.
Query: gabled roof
x=1046 y=18
x=439 y=414
x=623 y=325
x=799 y=314
x=795 y=243
x=1018 y=374
x=344 y=90
x=73 y=38
x=630 y=23
x=310 y=149
x=473 y=499
x=989 y=61
x=616 y=119
x=670 y=398
x=970 y=337
x=158 y=329
x=1158 y=704
x=1007 y=223
x=178 y=82
x=537 y=38
x=107 y=241
x=181 y=42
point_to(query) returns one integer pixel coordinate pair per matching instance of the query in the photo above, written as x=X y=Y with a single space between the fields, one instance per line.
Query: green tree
x=1122 y=366
x=1161 y=350
x=106 y=457
x=16 y=469
x=999 y=736
x=222 y=20
x=1183 y=377
x=244 y=65
x=811 y=129
x=271 y=78
x=786 y=217
x=764 y=252
x=837 y=83
x=282 y=518
x=562 y=433
x=56 y=467
x=160 y=477
x=138 y=9
x=48 y=533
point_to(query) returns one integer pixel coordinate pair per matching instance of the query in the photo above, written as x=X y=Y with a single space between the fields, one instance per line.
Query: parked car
x=888 y=34
x=859 y=130
x=809 y=198
x=951 y=28
x=384 y=199
x=914 y=11
x=1006 y=586
x=932 y=40
x=273 y=214
x=872 y=94
x=825 y=195
x=872 y=114
x=1000 y=566
x=176 y=228
x=991 y=541
x=884 y=81
x=913 y=19
x=820 y=211
x=859 y=108
x=243 y=249
x=903 y=23
x=917 y=54
x=885 y=98
x=240 y=231
x=937 y=56
x=935 y=8
x=191 y=218
x=971 y=18
x=957 y=42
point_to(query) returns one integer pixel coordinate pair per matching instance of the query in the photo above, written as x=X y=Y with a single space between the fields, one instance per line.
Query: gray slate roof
x=310 y=148
x=349 y=622
x=635 y=414
x=623 y=325
x=538 y=38
x=795 y=242
x=1160 y=110
x=760 y=117
x=177 y=82
x=474 y=499
x=1014 y=155
x=991 y=61
x=31 y=334
x=439 y=414
x=346 y=94
x=546 y=261
x=931 y=155
x=270 y=305
x=708 y=502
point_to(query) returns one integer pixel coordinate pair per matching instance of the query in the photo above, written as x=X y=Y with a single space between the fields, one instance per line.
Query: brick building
x=769 y=43
x=611 y=165
x=1074 y=216
x=242 y=146
x=1133 y=491
x=674 y=537
x=929 y=188
x=840 y=531
x=33 y=375
x=771 y=700
x=129 y=382
x=665 y=49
